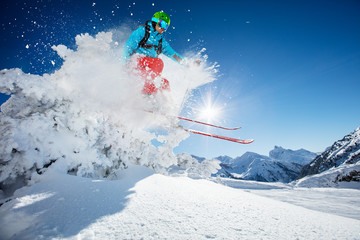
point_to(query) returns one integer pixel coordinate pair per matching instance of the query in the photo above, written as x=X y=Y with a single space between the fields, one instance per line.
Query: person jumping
x=146 y=43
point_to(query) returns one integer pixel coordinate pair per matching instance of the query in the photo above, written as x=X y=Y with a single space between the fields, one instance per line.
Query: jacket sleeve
x=169 y=52
x=132 y=43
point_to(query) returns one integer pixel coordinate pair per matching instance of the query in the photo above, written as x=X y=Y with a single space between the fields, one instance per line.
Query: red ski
x=220 y=137
x=199 y=122
x=242 y=141
x=208 y=124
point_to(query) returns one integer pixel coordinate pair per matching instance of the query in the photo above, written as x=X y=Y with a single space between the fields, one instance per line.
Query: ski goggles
x=162 y=24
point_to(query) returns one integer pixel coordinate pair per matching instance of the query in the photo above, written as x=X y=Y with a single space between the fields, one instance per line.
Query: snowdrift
x=87 y=118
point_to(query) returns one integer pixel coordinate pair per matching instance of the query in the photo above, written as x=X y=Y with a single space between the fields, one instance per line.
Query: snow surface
x=145 y=205
x=342 y=200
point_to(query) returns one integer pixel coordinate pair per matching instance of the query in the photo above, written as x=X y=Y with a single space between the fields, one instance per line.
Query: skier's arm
x=178 y=58
x=169 y=52
x=132 y=43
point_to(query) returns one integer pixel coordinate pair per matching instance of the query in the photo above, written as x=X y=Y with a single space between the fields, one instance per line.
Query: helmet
x=162 y=16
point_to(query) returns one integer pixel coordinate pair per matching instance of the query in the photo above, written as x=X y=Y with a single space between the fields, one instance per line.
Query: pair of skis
x=236 y=140
x=242 y=141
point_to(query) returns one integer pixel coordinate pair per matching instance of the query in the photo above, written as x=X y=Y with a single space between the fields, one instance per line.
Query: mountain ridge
x=344 y=151
x=282 y=165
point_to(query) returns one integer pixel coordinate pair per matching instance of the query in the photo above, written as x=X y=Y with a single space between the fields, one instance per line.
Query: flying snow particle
x=93 y=4
x=188 y=40
x=27 y=46
x=131 y=14
x=52 y=62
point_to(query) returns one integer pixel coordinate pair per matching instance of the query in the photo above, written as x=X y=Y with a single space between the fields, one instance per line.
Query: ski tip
x=248 y=141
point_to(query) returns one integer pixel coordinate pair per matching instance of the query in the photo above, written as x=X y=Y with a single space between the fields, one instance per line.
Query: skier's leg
x=150 y=68
x=165 y=85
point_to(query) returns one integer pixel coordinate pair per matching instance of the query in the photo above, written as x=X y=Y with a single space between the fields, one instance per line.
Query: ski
x=207 y=124
x=242 y=141
x=199 y=122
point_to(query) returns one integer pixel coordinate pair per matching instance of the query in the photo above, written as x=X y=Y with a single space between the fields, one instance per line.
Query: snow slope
x=144 y=205
x=341 y=201
x=334 y=177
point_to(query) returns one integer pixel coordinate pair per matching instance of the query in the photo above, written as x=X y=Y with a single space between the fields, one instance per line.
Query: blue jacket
x=132 y=44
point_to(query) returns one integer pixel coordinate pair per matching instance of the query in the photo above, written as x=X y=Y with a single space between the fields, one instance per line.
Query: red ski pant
x=150 y=69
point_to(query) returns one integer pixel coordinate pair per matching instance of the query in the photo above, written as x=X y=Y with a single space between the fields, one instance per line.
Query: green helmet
x=162 y=16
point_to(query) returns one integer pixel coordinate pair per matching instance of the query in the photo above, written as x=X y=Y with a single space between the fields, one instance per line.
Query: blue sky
x=289 y=70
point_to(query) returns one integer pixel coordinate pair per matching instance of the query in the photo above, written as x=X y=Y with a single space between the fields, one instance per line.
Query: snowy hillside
x=282 y=165
x=144 y=205
x=338 y=163
x=346 y=175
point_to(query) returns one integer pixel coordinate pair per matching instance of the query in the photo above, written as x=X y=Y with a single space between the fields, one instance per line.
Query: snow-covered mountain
x=338 y=165
x=345 y=176
x=300 y=156
x=225 y=159
x=340 y=162
x=282 y=165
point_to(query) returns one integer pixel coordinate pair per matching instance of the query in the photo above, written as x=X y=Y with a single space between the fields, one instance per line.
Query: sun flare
x=210 y=113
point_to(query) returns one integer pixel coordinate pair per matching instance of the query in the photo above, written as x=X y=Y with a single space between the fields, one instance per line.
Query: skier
x=144 y=45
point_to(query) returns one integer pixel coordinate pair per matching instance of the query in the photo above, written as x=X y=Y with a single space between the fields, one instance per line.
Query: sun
x=208 y=108
x=209 y=113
